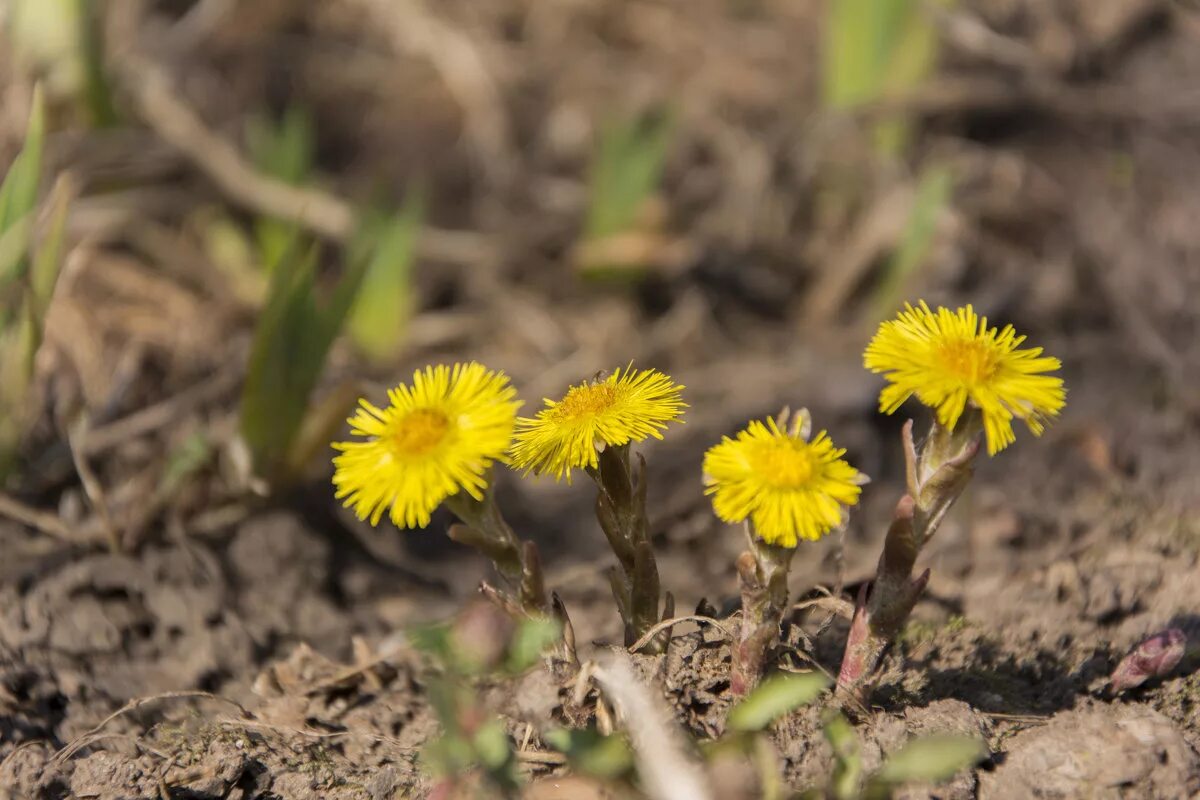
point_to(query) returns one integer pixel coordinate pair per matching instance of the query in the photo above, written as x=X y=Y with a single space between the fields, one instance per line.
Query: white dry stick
x=416 y=29
x=666 y=769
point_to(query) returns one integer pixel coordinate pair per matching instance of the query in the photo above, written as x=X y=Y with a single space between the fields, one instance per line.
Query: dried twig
x=667 y=623
x=665 y=769
x=160 y=415
x=77 y=435
x=323 y=213
x=414 y=29
x=43 y=521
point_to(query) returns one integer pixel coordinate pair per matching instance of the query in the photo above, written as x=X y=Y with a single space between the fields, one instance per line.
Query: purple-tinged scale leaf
x=1153 y=657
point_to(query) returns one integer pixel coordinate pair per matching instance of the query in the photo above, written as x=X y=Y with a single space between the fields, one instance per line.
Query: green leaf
x=625 y=171
x=380 y=317
x=590 y=753
x=874 y=49
x=47 y=261
x=847 y=768
x=933 y=195
x=492 y=745
x=96 y=88
x=286 y=149
x=930 y=759
x=291 y=342
x=184 y=461
x=449 y=754
x=532 y=637
x=433 y=640
x=774 y=698
x=18 y=193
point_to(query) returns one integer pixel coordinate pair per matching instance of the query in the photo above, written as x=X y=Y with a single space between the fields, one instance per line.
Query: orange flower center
x=419 y=431
x=586 y=399
x=785 y=464
x=970 y=361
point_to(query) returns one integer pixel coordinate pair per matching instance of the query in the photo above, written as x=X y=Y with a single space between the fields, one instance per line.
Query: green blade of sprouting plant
x=591 y=753
x=625 y=171
x=285 y=150
x=18 y=192
x=14 y=256
x=43 y=275
x=291 y=342
x=847 y=761
x=184 y=460
x=775 y=697
x=530 y=640
x=911 y=60
x=931 y=759
x=47 y=260
x=281 y=368
x=379 y=319
x=933 y=195
x=97 y=93
x=858 y=40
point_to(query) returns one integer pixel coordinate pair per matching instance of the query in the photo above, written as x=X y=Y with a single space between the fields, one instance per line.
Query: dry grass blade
x=42 y=521
x=83 y=740
x=413 y=28
x=326 y=214
x=666 y=770
x=667 y=623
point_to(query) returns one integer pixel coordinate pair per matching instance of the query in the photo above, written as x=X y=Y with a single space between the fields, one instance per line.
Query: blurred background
x=226 y=220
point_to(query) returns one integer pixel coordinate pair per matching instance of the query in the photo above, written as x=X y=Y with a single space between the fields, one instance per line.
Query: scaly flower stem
x=484 y=528
x=936 y=477
x=763 y=577
x=621 y=511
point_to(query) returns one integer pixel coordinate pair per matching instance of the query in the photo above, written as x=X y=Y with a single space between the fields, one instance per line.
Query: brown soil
x=253 y=647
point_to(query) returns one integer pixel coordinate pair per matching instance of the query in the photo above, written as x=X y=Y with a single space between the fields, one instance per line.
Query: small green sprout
x=379 y=320
x=625 y=174
x=875 y=49
x=30 y=260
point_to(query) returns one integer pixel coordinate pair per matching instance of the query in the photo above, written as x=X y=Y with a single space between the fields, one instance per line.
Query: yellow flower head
x=625 y=407
x=949 y=358
x=789 y=487
x=437 y=437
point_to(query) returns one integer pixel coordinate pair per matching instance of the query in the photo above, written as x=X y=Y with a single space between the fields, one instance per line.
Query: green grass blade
x=933 y=195
x=379 y=320
x=291 y=343
x=18 y=192
x=626 y=171
x=97 y=93
x=284 y=362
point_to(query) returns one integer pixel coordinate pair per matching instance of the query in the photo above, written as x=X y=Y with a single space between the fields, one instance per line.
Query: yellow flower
x=789 y=487
x=437 y=437
x=949 y=358
x=625 y=407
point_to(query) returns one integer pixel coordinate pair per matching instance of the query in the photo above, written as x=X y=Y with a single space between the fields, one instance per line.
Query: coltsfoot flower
x=790 y=488
x=951 y=358
x=437 y=437
x=627 y=406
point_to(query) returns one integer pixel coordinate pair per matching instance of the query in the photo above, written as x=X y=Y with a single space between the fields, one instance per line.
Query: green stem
x=763 y=576
x=936 y=478
x=621 y=512
x=484 y=528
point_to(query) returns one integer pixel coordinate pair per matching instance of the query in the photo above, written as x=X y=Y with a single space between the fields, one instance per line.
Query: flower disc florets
x=951 y=358
x=790 y=488
x=627 y=406
x=437 y=437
